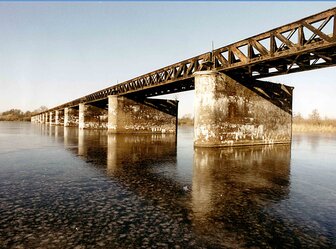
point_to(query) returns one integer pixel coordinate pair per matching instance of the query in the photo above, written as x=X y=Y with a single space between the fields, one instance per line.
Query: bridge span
x=232 y=105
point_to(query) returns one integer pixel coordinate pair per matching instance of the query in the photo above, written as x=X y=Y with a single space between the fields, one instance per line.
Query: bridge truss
x=307 y=44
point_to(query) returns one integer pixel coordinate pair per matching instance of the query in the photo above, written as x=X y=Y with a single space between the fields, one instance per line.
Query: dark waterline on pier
x=69 y=188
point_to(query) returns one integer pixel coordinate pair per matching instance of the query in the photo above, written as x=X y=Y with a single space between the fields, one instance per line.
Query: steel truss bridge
x=307 y=44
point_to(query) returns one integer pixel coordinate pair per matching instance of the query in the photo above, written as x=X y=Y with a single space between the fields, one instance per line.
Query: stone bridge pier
x=121 y=114
x=231 y=113
x=126 y=115
x=70 y=117
x=92 y=117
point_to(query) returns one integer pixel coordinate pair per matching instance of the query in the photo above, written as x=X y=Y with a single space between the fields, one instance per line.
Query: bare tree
x=314 y=117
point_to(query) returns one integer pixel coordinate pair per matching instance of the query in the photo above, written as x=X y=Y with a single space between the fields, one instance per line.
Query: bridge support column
x=66 y=116
x=127 y=115
x=57 y=121
x=81 y=120
x=46 y=116
x=112 y=113
x=70 y=117
x=228 y=113
x=92 y=116
x=51 y=114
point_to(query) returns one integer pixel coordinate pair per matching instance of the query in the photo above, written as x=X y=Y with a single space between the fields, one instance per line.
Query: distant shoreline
x=296 y=128
x=310 y=128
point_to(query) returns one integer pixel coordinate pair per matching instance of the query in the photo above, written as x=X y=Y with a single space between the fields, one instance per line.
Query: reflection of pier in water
x=230 y=194
x=139 y=151
x=233 y=187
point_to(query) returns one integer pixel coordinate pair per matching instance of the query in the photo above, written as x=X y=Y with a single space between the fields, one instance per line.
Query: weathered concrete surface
x=81 y=113
x=66 y=117
x=46 y=118
x=51 y=118
x=57 y=117
x=92 y=117
x=70 y=117
x=229 y=114
x=112 y=113
x=142 y=116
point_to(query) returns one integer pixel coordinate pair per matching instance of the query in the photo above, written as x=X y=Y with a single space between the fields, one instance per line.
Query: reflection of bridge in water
x=230 y=192
x=232 y=106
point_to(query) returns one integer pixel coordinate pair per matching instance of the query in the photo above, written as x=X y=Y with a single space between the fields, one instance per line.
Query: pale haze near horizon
x=55 y=52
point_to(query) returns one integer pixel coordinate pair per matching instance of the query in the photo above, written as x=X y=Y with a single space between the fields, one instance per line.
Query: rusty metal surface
x=307 y=44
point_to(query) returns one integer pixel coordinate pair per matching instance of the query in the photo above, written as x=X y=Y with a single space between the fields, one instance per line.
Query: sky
x=55 y=52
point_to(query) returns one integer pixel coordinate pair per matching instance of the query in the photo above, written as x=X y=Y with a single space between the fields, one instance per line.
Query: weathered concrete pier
x=228 y=113
x=232 y=106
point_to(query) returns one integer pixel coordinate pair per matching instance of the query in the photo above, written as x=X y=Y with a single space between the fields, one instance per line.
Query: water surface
x=69 y=188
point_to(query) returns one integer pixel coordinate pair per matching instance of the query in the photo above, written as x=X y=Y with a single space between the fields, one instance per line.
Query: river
x=69 y=188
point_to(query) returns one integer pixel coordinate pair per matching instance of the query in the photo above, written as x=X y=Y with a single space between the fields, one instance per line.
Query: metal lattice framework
x=307 y=44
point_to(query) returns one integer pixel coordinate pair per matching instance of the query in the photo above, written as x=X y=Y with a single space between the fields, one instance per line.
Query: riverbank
x=296 y=128
x=311 y=128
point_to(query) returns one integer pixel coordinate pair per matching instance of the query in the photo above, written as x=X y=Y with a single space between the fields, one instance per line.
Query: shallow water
x=69 y=188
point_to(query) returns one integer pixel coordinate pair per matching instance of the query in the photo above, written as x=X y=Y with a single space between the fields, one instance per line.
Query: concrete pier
x=70 y=117
x=112 y=113
x=127 y=115
x=51 y=118
x=81 y=119
x=227 y=113
x=92 y=117
x=66 y=117
x=46 y=118
x=57 y=117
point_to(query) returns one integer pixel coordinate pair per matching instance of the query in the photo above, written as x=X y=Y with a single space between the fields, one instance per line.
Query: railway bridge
x=232 y=105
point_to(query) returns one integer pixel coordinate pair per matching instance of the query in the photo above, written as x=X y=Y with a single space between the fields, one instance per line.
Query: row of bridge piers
x=227 y=113
x=121 y=115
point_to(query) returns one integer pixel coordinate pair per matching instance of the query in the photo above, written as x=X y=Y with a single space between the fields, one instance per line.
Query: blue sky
x=54 y=52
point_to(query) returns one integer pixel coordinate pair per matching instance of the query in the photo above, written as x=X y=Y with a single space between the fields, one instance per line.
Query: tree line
x=314 y=118
x=18 y=115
